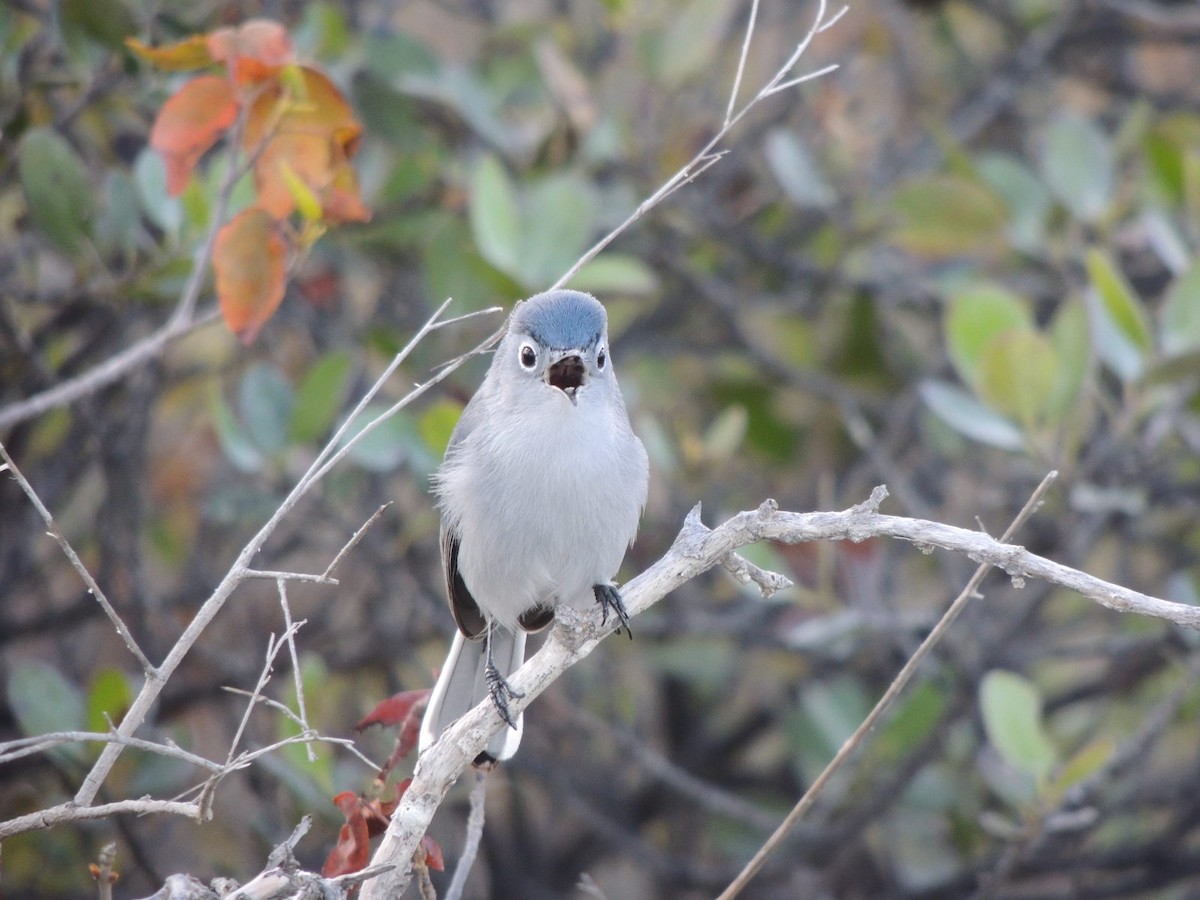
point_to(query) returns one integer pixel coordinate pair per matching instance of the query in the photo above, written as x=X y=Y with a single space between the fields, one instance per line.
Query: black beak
x=567 y=375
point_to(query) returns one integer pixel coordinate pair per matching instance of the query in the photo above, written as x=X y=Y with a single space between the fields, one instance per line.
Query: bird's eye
x=528 y=356
x=601 y=358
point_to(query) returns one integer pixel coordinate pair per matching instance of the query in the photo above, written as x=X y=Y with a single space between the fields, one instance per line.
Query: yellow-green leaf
x=974 y=316
x=946 y=215
x=1018 y=370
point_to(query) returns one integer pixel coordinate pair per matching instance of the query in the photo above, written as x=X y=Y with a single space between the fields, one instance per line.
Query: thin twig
x=741 y=66
x=297 y=674
x=353 y=542
x=472 y=838
x=705 y=158
x=872 y=719
x=236 y=574
x=269 y=575
x=77 y=564
x=15 y=749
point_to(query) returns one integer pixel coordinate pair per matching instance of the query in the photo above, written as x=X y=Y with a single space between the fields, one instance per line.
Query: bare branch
x=238 y=571
x=898 y=684
x=696 y=550
x=744 y=572
x=69 y=812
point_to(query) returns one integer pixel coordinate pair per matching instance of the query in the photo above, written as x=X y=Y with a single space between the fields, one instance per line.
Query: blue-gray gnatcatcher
x=540 y=495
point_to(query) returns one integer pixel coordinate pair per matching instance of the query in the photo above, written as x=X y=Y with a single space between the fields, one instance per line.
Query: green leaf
x=1072 y=346
x=57 y=189
x=437 y=424
x=495 y=215
x=119 y=224
x=1078 y=164
x=236 y=444
x=1085 y=762
x=969 y=417
x=323 y=32
x=834 y=708
x=974 y=316
x=319 y=397
x=391 y=54
x=1011 y=706
x=1023 y=193
x=1166 y=148
x=1181 y=313
x=43 y=701
x=108 y=699
x=1122 y=329
x=946 y=215
x=914 y=717
x=386 y=446
x=690 y=44
x=1018 y=371
x=265 y=402
x=558 y=219
x=1123 y=304
x=150 y=176
x=615 y=273
x=107 y=22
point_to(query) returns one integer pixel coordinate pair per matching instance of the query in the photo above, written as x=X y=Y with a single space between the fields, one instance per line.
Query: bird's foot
x=501 y=692
x=609 y=598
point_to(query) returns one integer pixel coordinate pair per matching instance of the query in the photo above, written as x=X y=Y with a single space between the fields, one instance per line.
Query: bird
x=540 y=494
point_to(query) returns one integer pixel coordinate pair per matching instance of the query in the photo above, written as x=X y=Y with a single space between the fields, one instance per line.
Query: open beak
x=568 y=375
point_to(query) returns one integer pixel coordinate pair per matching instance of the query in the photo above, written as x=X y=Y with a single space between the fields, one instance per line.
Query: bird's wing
x=467 y=615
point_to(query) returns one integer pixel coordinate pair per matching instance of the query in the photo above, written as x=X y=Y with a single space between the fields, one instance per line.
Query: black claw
x=610 y=598
x=500 y=691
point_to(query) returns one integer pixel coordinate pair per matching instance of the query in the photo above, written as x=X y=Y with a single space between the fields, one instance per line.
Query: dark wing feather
x=467 y=614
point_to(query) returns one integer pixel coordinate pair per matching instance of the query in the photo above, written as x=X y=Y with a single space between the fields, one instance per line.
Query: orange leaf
x=190 y=53
x=249 y=261
x=254 y=51
x=314 y=136
x=306 y=156
x=341 y=201
x=189 y=123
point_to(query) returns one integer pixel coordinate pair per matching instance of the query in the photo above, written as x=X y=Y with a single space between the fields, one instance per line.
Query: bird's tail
x=462 y=685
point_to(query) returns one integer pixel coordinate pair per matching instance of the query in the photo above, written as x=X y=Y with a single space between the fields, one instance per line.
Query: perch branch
x=696 y=550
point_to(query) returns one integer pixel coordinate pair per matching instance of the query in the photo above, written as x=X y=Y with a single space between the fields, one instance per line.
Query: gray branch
x=696 y=550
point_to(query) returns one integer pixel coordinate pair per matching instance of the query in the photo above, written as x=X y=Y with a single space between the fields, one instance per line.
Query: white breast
x=545 y=504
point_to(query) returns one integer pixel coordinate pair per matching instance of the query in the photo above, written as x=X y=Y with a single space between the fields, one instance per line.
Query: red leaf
x=395 y=709
x=433 y=854
x=353 y=849
x=189 y=123
x=383 y=809
x=254 y=51
x=405 y=710
x=249 y=261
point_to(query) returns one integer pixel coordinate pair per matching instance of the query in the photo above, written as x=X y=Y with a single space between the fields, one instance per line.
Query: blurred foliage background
x=965 y=258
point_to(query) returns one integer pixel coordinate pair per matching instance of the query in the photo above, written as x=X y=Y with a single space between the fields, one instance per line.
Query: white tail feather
x=462 y=686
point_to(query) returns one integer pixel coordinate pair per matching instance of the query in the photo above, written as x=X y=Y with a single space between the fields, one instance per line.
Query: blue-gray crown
x=561 y=320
